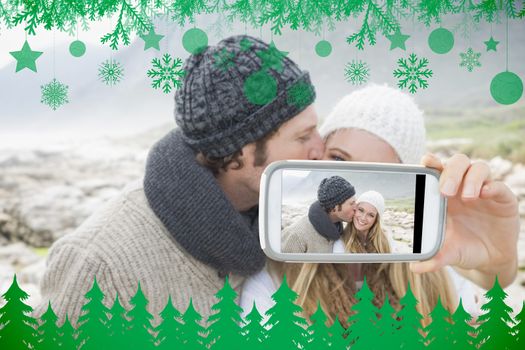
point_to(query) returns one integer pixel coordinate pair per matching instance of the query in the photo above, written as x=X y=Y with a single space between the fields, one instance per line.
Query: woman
x=374 y=124
x=365 y=234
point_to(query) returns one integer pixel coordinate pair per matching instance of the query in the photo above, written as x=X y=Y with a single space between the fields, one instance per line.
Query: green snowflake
x=412 y=72
x=166 y=72
x=300 y=94
x=54 y=94
x=470 y=59
x=110 y=72
x=357 y=72
x=224 y=59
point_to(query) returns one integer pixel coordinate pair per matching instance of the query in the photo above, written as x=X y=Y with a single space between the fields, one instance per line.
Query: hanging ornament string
x=507 y=43
x=54 y=93
x=54 y=65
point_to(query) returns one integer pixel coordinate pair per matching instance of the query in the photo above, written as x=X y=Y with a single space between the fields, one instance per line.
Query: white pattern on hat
x=385 y=112
x=375 y=199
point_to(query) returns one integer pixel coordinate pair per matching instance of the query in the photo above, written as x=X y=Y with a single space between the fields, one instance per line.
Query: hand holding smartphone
x=328 y=211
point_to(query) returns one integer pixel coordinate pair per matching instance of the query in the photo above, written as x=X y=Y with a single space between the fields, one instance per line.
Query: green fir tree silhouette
x=388 y=326
x=225 y=326
x=48 y=331
x=519 y=329
x=140 y=332
x=318 y=333
x=254 y=333
x=287 y=327
x=17 y=328
x=438 y=330
x=168 y=336
x=192 y=332
x=461 y=332
x=118 y=327
x=362 y=331
x=68 y=340
x=93 y=323
x=495 y=330
x=337 y=336
x=410 y=331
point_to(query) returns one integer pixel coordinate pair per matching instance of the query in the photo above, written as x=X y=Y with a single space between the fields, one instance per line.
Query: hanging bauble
x=77 y=48
x=323 y=48
x=195 y=41
x=506 y=88
x=441 y=41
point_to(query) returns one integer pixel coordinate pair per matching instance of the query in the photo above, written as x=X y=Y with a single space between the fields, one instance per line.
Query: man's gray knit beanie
x=334 y=191
x=236 y=93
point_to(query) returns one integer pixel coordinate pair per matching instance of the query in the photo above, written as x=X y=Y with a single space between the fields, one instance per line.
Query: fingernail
x=449 y=187
x=469 y=191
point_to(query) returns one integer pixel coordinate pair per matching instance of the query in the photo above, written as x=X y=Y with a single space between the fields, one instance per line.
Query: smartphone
x=338 y=212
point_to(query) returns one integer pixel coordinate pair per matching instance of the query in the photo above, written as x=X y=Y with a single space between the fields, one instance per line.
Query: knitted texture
x=124 y=243
x=375 y=199
x=212 y=109
x=302 y=237
x=188 y=201
x=385 y=112
x=334 y=191
x=322 y=223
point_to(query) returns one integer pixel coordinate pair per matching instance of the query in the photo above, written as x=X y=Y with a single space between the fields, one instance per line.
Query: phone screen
x=351 y=211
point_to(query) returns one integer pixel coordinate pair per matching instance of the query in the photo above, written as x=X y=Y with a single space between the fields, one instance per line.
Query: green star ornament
x=397 y=40
x=151 y=40
x=491 y=44
x=26 y=58
x=272 y=58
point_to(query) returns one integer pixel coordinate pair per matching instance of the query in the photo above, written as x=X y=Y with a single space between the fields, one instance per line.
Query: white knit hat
x=385 y=112
x=375 y=199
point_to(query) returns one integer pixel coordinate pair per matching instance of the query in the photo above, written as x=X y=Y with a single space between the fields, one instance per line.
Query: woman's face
x=360 y=146
x=365 y=216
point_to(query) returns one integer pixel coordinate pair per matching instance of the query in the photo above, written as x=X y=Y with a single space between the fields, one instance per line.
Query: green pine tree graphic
x=519 y=329
x=461 y=332
x=362 y=331
x=118 y=326
x=168 y=336
x=319 y=335
x=140 y=334
x=254 y=333
x=287 y=330
x=337 y=336
x=438 y=331
x=495 y=331
x=410 y=323
x=17 y=328
x=192 y=332
x=93 y=323
x=225 y=326
x=48 y=332
x=388 y=326
x=68 y=336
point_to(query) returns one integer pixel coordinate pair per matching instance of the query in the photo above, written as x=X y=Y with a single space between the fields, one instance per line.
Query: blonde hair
x=332 y=287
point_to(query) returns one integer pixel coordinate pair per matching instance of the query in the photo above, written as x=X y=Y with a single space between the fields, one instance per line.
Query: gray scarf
x=322 y=223
x=188 y=200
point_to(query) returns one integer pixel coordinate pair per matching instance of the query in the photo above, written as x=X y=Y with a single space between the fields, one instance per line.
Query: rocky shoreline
x=47 y=193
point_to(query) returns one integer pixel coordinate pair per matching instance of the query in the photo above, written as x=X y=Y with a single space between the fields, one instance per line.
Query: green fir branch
x=487 y=9
x=386 y=23
x=433 y=10
x=187 y=10
x=510 y=9
x=246 y=11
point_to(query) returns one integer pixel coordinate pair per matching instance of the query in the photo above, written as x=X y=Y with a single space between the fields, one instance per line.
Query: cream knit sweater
x=121 y=244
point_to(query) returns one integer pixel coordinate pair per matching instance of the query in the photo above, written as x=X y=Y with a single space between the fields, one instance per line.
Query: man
x=317 y=231
x=193 y=219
